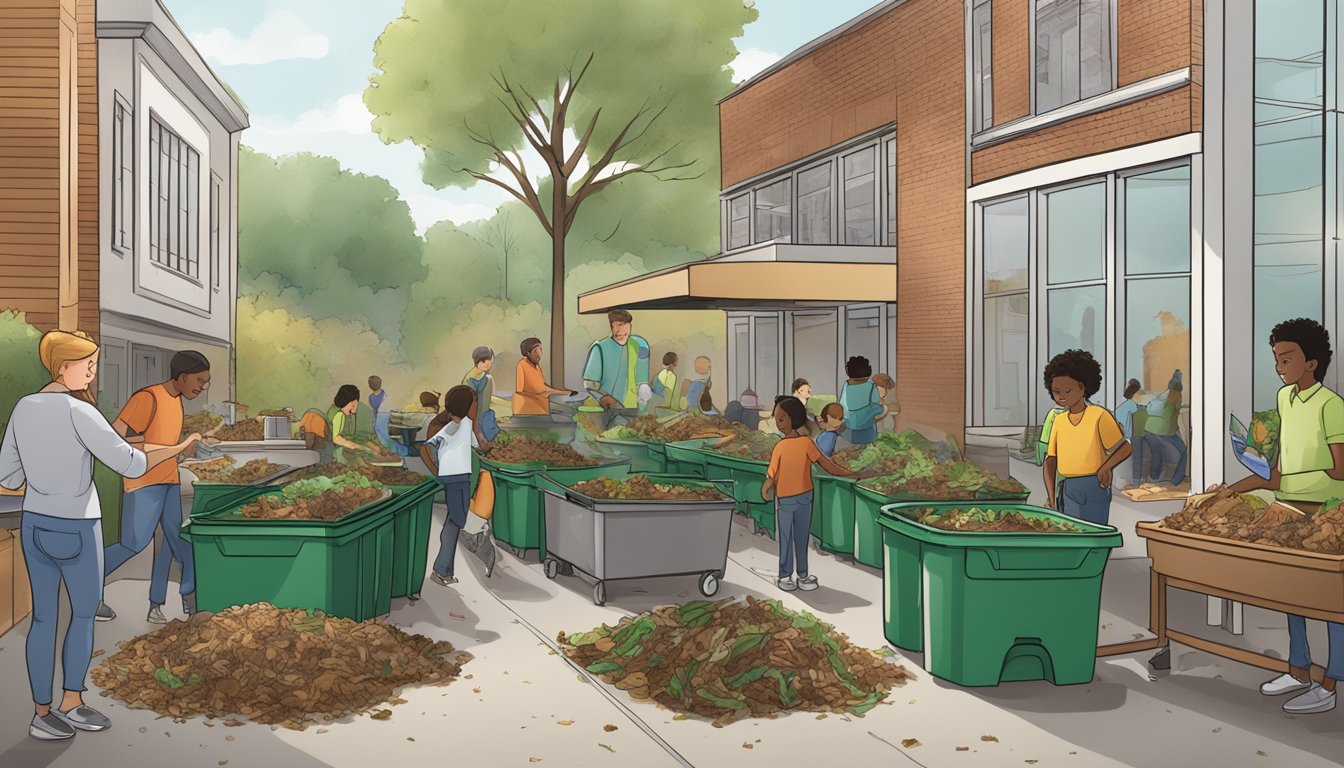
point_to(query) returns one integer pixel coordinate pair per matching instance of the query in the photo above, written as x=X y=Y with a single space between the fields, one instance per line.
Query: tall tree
x=597 y=91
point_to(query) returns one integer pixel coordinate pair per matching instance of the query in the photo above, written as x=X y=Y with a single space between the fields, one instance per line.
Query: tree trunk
x=559 y=213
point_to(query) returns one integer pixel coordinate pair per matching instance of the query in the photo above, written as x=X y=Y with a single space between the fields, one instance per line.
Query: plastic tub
x=412 y=511
x=833 y=511
x=747 y=476
x=343 y=568
x=684 y=458
x=642 y=455
x=868 y=536
x=517 y=517
x=986 y=608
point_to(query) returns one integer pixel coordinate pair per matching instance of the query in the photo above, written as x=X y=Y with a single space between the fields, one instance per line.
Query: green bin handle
x=1035 y=563
x=260 y=547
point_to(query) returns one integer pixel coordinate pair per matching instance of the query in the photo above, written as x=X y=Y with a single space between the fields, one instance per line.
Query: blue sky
x=301 y=67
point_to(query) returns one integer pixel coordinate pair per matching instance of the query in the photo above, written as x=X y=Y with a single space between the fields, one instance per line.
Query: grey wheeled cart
x=612 y=539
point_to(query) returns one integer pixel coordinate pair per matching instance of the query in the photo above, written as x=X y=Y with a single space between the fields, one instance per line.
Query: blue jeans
x=58 y=549
x=1085 y=499
x=457 y=495
x=1166 y=449
x=793 y=525
x=381 y=422
x=1136 y=472
x=1299 y=655
x=142 y=510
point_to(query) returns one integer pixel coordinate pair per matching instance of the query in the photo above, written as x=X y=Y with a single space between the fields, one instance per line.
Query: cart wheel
x=600 y=594
x=552 y=567
x=709 y=584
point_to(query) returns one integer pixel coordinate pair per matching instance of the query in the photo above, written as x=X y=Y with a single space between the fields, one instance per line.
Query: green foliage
x=21 y=371
x=313 y=487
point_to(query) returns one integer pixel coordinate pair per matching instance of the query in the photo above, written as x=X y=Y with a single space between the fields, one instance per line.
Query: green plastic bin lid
x=894 y=517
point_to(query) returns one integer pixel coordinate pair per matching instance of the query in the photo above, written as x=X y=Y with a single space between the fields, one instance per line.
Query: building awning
x=775 y=276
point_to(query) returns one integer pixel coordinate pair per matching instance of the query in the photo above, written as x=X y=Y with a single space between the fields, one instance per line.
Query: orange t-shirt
x=158 y=416
x=791 y=465
x=529 y=392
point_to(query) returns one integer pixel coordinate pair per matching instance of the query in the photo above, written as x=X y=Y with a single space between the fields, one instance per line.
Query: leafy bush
x=21 y=372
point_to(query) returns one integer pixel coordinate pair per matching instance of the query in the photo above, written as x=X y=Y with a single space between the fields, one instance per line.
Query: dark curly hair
x=858 y=367
x=1078 y=365
x=347 y=394
x=1311 y=336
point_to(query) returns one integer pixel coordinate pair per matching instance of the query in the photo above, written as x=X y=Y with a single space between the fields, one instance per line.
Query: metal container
x=629 y=539
x=275 y=428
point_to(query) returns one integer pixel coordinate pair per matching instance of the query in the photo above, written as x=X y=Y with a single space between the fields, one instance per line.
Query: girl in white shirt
x=448 y=453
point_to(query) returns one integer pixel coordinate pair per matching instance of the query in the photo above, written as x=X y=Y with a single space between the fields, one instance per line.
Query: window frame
x=882 y=141
x=982 y=91
x=216 y=224
x=123 y=195
x=174 y=238
x=1114 y=21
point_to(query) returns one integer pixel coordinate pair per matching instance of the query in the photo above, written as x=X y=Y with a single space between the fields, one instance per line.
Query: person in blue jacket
x=861 y=401
x=616 y=366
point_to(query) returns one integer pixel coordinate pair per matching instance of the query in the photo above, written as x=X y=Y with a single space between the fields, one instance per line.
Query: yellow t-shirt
x=1082 y=448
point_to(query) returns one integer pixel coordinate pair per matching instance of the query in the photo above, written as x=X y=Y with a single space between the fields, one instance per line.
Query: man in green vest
x=616 y=367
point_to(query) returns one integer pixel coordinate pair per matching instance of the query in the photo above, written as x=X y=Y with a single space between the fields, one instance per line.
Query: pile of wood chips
x=272 y=666
x=1245 y=518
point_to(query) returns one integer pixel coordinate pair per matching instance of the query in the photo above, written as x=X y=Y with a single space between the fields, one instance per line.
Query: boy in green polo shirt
x=1310 y=471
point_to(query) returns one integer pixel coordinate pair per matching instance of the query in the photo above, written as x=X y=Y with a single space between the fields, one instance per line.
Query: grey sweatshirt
x=50 y=444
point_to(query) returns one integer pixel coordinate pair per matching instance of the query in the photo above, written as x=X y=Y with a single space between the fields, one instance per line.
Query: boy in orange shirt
x=155 y=499
x=790 y=478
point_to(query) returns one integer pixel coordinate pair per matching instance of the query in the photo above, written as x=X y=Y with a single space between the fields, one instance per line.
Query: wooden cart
x=1275 y=578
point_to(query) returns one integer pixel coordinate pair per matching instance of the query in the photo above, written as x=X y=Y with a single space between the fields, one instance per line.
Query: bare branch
x=530 y=130
x=613 y=232
x=593 y=188
x=562 y=108
x=616 y=144
x=572 y=162
x=525 y=192
x=545 y=119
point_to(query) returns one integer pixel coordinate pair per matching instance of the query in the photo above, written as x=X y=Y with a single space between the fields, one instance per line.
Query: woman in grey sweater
x=50 y=444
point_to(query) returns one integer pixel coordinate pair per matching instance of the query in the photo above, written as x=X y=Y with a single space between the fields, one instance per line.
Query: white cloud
x=346 y=115
x=280 y=36
x=750 y=62
x=432 y=207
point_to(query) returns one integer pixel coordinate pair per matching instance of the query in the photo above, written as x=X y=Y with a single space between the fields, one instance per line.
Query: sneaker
x=189 y=603
x=786 y=584
x=156 y=615
x=808 y=583
x=104 y=613
x=1315 y=700
x=1283 y=684
x=84 y=718
x=443 y=581
x=50 y=728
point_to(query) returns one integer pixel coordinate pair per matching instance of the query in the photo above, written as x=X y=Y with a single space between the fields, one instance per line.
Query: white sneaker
x=808 y=583
x=786 y=584
x=1315 y=700
x=1283 y=684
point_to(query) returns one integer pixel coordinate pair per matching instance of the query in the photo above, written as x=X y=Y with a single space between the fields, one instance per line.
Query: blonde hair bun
x=60 y=347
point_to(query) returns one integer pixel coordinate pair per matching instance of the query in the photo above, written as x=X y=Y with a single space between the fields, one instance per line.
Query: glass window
x=814 y=342
x=766 y=380
x=122 y=175
x=1157 y=332
x=863 y=335
x=1006 y=245
x=1076 y=234
x=1157 y=221
x=861 y=197
x=739 y=376
x=216 y=193
x=1076 y=319
x=1289 y=180
x=891 y=192
x=1007 y=366
x=773 y=222
x=739 y=222
x=174 y=192
x=982 y=59
x=1073 y=51
x=814 y=205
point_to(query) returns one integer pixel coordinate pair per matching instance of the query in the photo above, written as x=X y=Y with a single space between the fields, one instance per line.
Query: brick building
x=48 y=162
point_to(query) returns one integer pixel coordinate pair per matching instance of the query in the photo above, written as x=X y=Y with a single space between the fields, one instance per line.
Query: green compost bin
x=747 y=476
x=987 y=608
x=343 y=568
x=518 y=514
x=109 y=487
x=412 y=511
x=833 y=511
x=868 y=536
x=212 y=497
x=643 y=456
x=684 y=458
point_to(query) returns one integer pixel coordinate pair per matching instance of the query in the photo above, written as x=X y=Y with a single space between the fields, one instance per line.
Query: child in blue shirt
x=832 y=421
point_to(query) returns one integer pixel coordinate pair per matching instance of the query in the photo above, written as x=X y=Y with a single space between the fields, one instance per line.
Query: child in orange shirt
x=790 y=477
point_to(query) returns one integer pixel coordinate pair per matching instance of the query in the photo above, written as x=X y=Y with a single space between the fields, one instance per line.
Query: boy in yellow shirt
x=1086 y=442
